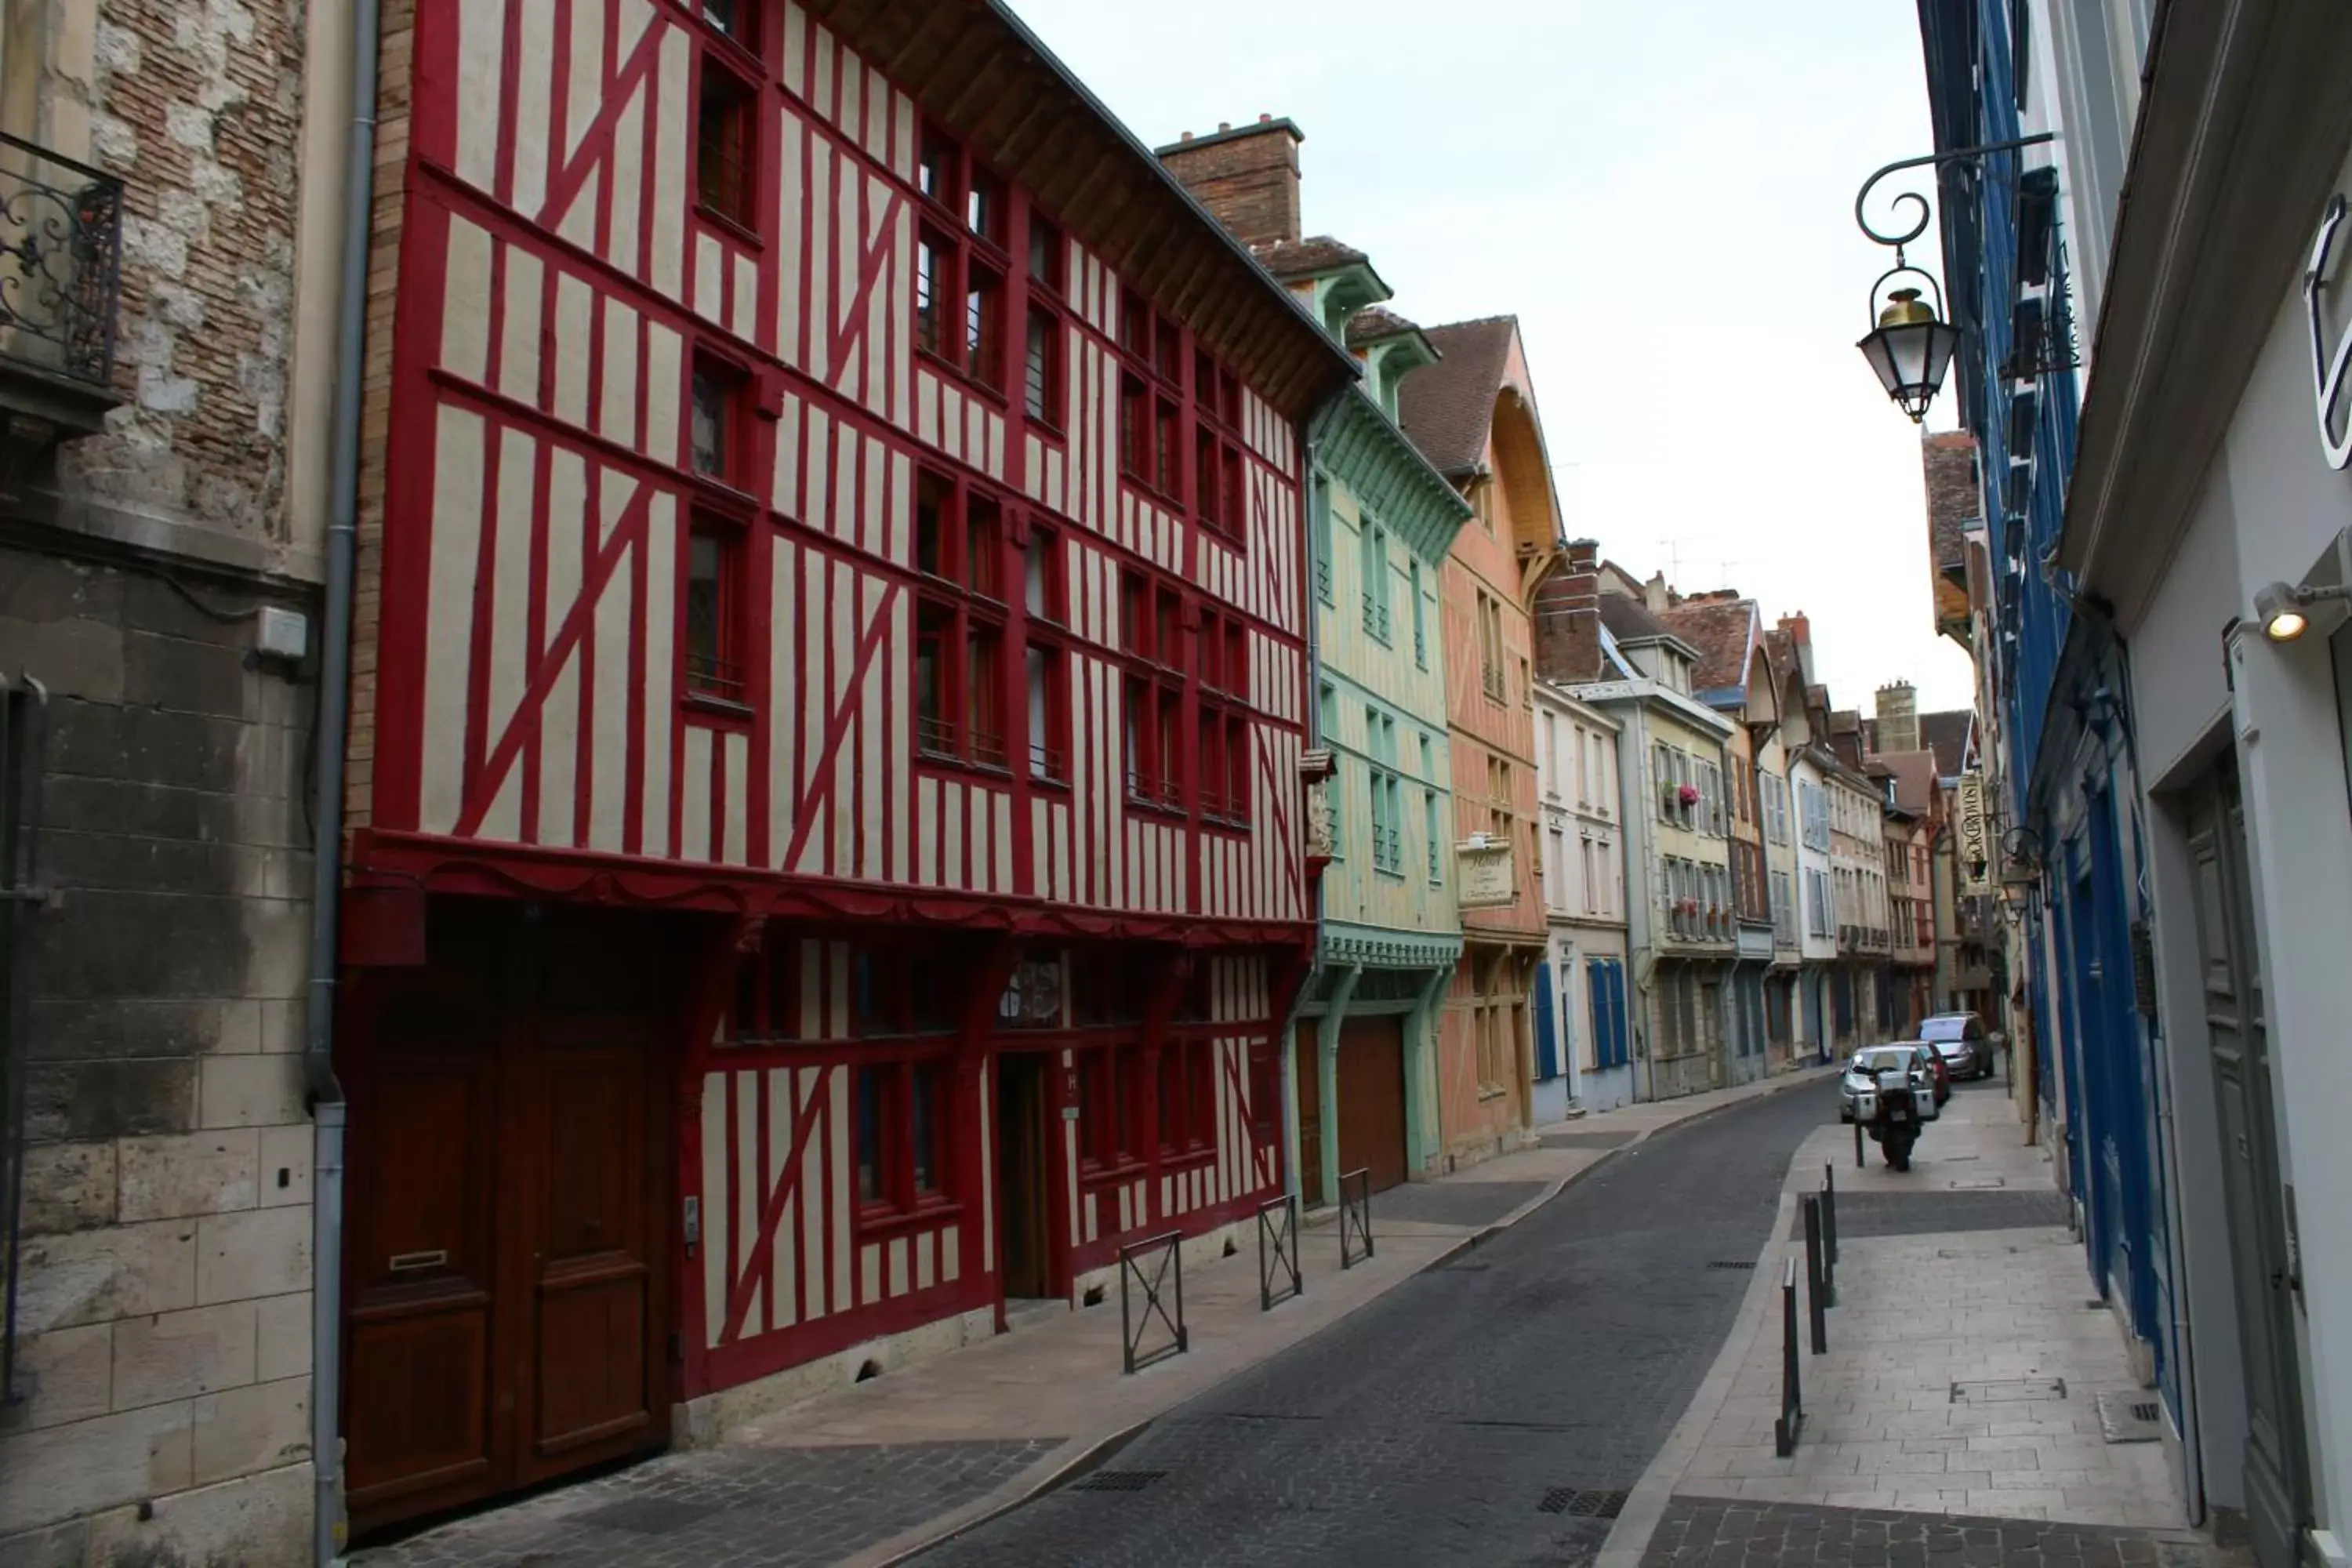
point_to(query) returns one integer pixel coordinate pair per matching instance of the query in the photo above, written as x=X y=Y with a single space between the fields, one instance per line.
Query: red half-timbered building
x=828 y=848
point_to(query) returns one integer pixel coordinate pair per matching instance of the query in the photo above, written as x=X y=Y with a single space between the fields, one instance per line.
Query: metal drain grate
x=2008 y=1390
x=2126 y=1417
x=1730 y=1263
x=1118 y=1480
x=1577 y=1503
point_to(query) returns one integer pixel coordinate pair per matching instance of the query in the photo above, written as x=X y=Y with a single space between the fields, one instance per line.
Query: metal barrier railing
x=1277 y=1251
x=1163 y=1284
x=1793 y=1399
x=1816 y=1289
x=1355 y=1217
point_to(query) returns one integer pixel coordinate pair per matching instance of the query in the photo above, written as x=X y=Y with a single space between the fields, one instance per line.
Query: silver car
x=1859 y=1080
x=1959 y=1039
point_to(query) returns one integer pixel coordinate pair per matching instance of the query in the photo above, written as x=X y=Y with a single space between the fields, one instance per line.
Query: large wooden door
x=506 y=1302
x=1021 y=1164
x=2278 y=1496
x=1371 y=1100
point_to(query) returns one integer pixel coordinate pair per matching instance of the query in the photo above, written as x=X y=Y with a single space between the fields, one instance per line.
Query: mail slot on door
x=417 y=1262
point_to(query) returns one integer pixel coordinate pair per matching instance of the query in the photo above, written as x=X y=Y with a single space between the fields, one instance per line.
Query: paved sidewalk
x=1959 y=1407
x=871 y=1474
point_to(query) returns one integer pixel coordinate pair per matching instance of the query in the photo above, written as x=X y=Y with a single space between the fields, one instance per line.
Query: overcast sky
x=1663 y=193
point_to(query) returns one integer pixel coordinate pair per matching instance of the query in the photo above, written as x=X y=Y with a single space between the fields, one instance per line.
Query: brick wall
x=1248 y=179
x=1568 y=617
x=396 y=66
x=1953 y=501
x=196 y=106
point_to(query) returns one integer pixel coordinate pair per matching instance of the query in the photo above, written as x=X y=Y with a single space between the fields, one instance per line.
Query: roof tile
x=1447 y=408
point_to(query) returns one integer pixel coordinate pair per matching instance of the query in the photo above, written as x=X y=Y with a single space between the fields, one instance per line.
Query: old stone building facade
x=164 y=389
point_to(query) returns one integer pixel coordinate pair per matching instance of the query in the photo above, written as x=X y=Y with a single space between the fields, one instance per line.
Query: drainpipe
x=326 y=1094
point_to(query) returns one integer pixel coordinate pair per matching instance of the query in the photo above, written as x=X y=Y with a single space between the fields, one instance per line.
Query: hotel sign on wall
x=1975 y=836
x=1484 y=867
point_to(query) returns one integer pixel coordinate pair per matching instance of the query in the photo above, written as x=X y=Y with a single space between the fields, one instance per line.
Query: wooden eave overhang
x=981 y=75
x=1353 y=441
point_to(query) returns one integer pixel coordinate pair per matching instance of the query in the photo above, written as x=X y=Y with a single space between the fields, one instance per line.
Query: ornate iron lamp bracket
x=1927 y=211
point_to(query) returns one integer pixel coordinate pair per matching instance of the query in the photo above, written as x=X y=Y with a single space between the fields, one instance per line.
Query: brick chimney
x=1801 y=637
x=1657 y=594
x=1568 y=617
x=1247 y=178
x=1898 y=711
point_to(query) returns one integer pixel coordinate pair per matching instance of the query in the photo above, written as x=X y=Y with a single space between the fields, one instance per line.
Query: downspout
x=326 y=1094
x=1288 y=1039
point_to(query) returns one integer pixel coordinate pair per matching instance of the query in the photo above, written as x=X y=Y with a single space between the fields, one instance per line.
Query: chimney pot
x=1265 y=120
x=1186 y=137
x=1224 y=125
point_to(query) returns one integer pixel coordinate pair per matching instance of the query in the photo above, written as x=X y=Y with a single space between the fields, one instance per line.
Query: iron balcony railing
x=60 y=262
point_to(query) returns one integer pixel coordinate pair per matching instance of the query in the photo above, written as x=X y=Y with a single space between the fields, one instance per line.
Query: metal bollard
x=1815 y=1305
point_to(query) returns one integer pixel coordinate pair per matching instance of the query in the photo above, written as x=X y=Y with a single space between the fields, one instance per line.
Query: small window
x=934 y=723
x=932 y=290
x=984 y=328
x=983 y=208
x=983 y=533
x=1135 y=618
x=726 y=136
x=1040 y=368
x=984 y=722
x=714 y=631
x=715 y=422
x=935 y=169
x=873 y=1124
x=932 y=495
x=1048 y=715
x=1041 y=571
x=1044 y=254
x=925 y=1127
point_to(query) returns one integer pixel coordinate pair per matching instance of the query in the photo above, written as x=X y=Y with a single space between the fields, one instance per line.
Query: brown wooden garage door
x=506 y=1277
x=1372 y=1099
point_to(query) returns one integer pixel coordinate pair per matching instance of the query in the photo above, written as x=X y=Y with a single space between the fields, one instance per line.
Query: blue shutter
x=1547 y=1041
x=1618 y=1053
x=1596 y=976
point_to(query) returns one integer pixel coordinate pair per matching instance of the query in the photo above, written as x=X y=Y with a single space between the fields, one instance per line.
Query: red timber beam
x=384 y=859
x=1159 y=1006
x=975 y=1033
x=710 y=991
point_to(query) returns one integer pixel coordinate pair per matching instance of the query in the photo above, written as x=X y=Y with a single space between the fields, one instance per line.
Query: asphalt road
x=1434 y=1425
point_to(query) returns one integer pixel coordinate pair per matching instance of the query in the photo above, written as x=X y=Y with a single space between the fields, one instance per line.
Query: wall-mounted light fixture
x=1909 y=346
x=2286 y=612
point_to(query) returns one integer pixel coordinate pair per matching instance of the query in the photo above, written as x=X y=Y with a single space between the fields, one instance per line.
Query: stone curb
x=1079 y=1456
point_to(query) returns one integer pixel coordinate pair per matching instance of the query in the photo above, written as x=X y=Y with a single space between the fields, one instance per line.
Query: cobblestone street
x=1492 y=1411
x=776 y=1507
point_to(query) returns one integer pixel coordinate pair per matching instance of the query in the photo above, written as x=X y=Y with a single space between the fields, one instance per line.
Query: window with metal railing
x=60 y=255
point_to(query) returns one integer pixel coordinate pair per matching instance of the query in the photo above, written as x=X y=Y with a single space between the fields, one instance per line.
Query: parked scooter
x=1896 y=1098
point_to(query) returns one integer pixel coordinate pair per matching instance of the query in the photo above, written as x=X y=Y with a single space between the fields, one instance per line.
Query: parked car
x=1860 y=1075
x=1961 y=1040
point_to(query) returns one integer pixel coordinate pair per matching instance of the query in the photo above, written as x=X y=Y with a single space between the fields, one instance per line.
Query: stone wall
x=165 y=1272
x=164 y=1302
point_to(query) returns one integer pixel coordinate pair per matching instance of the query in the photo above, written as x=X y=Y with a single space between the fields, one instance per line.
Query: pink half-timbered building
x=827 y=854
